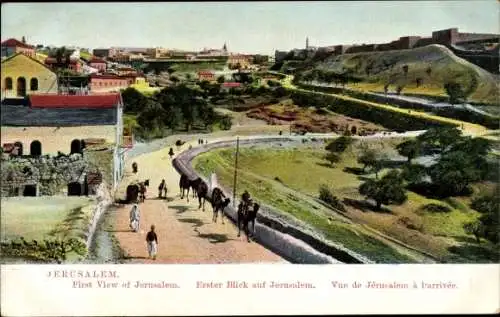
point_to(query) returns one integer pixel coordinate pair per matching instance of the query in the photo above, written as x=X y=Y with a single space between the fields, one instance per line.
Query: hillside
x=432 y=66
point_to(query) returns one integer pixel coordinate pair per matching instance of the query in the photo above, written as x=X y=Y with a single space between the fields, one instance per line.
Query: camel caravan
x=247 y=209
x=246 y=213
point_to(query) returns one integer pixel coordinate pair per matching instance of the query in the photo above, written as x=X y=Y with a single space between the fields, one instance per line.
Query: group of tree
x=459 y=93
x=461 y=161
x=177 y=107
x=487 y=226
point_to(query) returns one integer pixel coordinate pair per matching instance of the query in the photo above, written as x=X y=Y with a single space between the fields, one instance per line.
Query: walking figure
x=134 y=167
x=162 y=189
x=135 y=217
x=171 y=153
x=152 y=241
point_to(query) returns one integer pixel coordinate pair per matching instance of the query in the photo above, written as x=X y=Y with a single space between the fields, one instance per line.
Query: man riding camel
x=246 y=200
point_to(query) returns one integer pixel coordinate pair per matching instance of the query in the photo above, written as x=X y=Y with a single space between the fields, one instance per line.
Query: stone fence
x=103 y=202
x=287 y=238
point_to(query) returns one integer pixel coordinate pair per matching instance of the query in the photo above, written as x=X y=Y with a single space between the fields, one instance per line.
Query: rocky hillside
x=423 y=71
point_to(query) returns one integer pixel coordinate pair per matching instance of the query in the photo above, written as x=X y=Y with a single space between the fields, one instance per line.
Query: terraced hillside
x=431 y=66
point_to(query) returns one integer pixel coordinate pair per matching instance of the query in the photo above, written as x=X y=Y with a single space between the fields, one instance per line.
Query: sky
x=246 y=27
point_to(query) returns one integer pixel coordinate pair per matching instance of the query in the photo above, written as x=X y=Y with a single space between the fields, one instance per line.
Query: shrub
x=436 y=208
x=326 y=195
x=225 y=123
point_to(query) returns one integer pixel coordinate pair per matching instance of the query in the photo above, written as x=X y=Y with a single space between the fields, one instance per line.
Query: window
x=33 y=84
x=8 y=83
x=21 y=87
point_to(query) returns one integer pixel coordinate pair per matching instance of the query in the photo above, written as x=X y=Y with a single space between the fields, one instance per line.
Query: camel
x=202 y=191
x=219 y=202
x=184 y=184
x=246 y=216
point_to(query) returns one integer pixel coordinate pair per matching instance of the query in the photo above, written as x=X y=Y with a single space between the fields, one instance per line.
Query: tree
x=440 y=136
x=368 y=158
x=405 y=69
x=225 y=123
x=385 y=191
x=410 y=149
x=454 y=172
x=414 y=173
x=133 y=101
x=475 y=228
x=455 y=92
x=220 y=79
x=399 y=89
x=340 y=144
x=472 y=146
x=332 y=158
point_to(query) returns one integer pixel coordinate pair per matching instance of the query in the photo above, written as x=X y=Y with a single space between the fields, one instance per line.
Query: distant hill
x=432 y=65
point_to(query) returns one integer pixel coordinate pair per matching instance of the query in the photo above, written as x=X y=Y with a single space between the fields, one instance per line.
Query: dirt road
x=186 y=235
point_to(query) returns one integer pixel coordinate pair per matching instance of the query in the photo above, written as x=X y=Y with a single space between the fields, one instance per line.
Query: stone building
x=54 y=124
x=23 y=75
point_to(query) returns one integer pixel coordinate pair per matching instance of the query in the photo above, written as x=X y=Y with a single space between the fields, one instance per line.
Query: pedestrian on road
x=162 y=188
x=135 y=217
x=171 y=153
x=152 y=241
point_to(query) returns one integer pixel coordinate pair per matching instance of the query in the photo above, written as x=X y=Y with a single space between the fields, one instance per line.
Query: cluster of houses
x=22 y=72
x=38 y=118
x=128 y=55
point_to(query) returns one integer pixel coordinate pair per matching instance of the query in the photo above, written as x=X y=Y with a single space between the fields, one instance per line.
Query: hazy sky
x=248 y=27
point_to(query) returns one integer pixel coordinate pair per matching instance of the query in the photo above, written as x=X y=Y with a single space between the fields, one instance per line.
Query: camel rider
x=246 y=200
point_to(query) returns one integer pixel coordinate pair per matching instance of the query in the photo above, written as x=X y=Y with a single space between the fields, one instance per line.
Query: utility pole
x=236 y=169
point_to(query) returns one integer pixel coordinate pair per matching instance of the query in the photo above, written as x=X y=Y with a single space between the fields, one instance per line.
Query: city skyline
x=248 y=27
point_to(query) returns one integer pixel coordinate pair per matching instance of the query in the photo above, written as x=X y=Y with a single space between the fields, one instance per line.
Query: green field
x=334 y=227
x=44 y=217
x=272 y=176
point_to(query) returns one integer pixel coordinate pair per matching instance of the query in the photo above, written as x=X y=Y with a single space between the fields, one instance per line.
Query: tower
x=307 y=43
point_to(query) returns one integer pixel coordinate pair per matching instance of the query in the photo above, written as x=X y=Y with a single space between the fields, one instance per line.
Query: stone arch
x=36 y=148
x=19 y=146
x=29 y=191
x=8 y=83
x=34 y=84
x=21 y=87
x=74 y=189
x=76 y=146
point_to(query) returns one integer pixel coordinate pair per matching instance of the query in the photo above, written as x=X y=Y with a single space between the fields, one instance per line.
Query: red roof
x=205 y=72
x=108 y=76
x=97 y=60
x=75 y=101
x=231 y=84
x=15 y=43
x=53 y=60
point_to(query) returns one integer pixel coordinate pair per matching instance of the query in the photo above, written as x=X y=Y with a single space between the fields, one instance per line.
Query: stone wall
x=52 y=174
x=103 y=202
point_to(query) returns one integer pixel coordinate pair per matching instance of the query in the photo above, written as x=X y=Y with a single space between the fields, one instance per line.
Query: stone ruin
x=48 y=175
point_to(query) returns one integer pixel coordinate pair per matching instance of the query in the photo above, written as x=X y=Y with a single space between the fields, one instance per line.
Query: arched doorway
x=21 y=87
x=19 y=146
x=29 y=190
x=76 y=146
x=74 y=189
x=36 y=148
